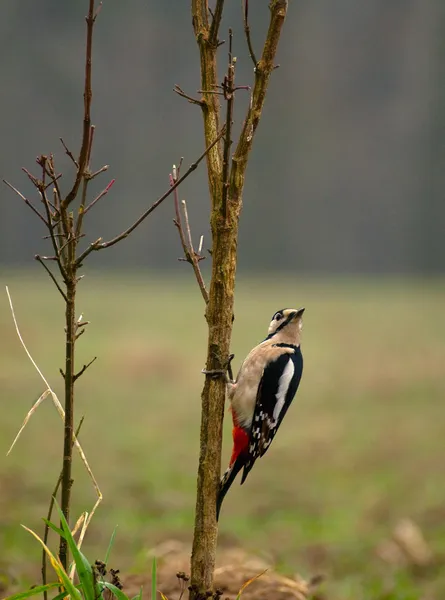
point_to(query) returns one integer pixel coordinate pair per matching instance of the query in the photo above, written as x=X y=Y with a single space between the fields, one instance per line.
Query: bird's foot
x=225 y=372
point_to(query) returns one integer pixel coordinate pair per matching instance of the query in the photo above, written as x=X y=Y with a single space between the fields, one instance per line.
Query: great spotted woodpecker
x=262 y=392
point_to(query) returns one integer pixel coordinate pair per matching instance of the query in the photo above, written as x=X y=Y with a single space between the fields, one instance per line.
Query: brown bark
x=225 y=212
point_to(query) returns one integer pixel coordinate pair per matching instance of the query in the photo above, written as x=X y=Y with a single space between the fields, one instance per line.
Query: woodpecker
x=262 y=392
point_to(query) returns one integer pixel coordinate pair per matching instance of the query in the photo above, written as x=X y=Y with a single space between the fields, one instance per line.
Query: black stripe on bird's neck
x=281 y=326
x=283 y=345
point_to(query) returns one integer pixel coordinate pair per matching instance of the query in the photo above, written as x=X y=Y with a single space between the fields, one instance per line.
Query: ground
x=359 y=454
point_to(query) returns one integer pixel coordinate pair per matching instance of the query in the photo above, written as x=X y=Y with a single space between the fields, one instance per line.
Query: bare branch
x=70 y=154
x=86 y=178
x=47 y=166
x=34 y=180
x=53 y=180
x=103 y=193
x=229 y=95
x=247 y=32
x=99 y=171
x=84 y=368
x=194 y=258
x=85 y=149
x=264 y=68
x=216 y=92
x=90 y=143
x=98 y=245
x=26 y=201
x=98 y=9
x=81 y=210
x=177 y=221
x=40 y=260
x=189 y=253
x=57 y=197
x=216 y=22
x=181 y=93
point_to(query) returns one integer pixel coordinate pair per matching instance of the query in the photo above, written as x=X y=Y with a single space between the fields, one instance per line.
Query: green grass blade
x=154 y=579
x=110 y=545
x=117 y=593
x=38 y=589
x=83 y=567
x=63 y=595
x=139 y=596
x=60 y=571
x=59 y=531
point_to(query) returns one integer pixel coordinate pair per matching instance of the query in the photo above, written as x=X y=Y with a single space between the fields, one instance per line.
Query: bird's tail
x=227 y=479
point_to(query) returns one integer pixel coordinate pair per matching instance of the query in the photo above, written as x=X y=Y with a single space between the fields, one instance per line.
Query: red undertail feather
x=237 y=462
x=240 y=442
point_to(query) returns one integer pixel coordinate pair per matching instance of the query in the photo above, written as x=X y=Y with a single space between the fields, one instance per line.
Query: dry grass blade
x=86 y=517
x=28 y=416
x=251 y=580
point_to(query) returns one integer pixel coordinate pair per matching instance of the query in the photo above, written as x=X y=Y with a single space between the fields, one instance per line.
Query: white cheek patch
x=283 y=386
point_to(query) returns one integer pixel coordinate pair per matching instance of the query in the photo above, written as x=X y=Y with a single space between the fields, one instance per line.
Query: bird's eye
x=278 y=317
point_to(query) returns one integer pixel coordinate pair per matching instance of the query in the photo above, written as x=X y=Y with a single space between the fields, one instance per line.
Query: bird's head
x=287 y=323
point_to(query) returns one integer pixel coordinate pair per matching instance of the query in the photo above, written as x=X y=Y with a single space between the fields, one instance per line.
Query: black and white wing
x=276 y=391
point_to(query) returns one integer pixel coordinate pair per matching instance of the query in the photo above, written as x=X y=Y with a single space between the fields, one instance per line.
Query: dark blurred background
x=347 y=172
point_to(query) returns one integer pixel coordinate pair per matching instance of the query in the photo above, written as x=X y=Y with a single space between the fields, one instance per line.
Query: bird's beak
x=299 y=313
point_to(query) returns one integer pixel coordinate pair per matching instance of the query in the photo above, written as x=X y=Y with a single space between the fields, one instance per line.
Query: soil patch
x=234 y=568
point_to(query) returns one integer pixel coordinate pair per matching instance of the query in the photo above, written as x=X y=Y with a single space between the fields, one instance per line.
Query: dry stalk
x=57 y=404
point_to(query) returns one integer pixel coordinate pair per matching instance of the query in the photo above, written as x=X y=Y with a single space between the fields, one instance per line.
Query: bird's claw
x=226 y=372
x=214 y=373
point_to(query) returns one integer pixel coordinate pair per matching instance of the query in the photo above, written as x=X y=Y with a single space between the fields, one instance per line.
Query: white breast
x=283 y=386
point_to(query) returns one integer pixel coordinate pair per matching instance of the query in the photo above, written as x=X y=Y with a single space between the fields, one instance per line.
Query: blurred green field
x=361 y=448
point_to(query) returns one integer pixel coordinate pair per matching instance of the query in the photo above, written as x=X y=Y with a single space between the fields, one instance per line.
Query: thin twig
x=181 y=93
x=177 y=221
x=26 y=201
x=189 y=253
x=85 y=182
x=61 y=224
x=54 y=258
x=216 y=21
x=98 y=245
x=34 y=180
x=51 y=226
x=70 y=154
x=247 y=32
x=88 y=94
x=211 y=92
x=99 y=171
x=85 y=367
x=90 y=143
x=53 y=181
x=103 y=193
x=229 y=94
x=40 y=260
x=194 y=257
x=43 y=161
